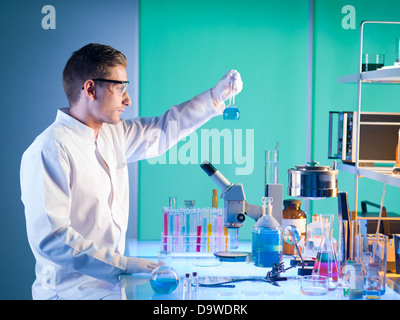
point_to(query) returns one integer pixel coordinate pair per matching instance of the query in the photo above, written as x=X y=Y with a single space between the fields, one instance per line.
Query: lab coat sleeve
x=45 y=192
x=149 y=137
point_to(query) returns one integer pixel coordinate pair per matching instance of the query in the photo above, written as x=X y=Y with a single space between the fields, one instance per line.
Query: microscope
x=236 y=208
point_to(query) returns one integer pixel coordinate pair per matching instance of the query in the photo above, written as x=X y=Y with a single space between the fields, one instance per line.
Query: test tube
x=171 y=227
x=220 y=230
x=165 y=228
x=271 y=166
x=187 y=231
x=198 y=239
x=204 y=229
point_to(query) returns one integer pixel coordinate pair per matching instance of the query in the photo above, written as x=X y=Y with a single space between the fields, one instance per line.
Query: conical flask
x=326 y=263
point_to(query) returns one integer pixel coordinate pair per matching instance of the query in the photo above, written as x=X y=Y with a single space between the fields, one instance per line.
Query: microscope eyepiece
x=208 y=168
x=215 y=175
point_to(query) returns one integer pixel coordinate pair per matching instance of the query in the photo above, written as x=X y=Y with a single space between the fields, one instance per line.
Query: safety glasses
x=118 y=87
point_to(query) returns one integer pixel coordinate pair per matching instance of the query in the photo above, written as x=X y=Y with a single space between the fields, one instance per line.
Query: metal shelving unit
x=381 y=174
x=384 y=75
x=389 y=75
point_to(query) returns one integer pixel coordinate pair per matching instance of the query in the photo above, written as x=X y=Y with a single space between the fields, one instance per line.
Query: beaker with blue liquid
x=231 y=112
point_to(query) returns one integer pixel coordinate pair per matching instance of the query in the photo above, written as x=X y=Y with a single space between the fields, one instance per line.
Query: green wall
x=187 y=46
x=336 y=52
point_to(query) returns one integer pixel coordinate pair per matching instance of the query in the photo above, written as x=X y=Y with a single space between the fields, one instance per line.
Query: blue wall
x=186 y=46
x=31 y=64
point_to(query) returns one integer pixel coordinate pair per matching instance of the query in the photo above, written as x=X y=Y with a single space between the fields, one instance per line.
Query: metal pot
x=313 y=181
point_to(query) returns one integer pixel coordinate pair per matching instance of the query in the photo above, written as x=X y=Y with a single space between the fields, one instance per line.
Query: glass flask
x=266 y=241
x=313 y=238
x=164 y=280
x=396 y=167
x=326 y=262
x=231 y=112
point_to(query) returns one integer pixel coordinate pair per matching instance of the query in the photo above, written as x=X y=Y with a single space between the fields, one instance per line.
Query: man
x=74 y=176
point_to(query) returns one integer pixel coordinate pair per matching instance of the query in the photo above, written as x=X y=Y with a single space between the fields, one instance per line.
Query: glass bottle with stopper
x=267 y=238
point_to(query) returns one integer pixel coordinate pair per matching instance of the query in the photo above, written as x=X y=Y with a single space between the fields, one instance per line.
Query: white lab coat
x=75 y=192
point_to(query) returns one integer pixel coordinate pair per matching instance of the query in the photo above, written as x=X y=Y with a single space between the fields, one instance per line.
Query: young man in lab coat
x=74 y=176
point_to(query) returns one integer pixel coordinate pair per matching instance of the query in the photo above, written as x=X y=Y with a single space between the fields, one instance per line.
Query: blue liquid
x=372 y=295
x=164 y=286
x=231 y=113
x=267 y=247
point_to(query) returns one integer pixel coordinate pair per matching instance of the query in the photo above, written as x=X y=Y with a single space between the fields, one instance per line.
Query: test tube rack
x=194 y=230
x=202 y=244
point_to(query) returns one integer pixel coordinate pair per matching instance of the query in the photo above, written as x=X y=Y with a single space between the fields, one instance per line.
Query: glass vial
x=187 y=285
x=189 y=204
x=172 y=202
x=293 y=215
x=215 y=198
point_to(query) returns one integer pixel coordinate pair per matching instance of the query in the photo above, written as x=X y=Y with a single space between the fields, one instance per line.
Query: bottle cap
x=291 y=202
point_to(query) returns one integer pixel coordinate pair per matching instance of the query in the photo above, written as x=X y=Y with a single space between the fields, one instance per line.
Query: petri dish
x=232 y=256
x=314 y=285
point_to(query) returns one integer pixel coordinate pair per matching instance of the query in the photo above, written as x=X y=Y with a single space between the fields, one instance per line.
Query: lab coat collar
x=76 y=126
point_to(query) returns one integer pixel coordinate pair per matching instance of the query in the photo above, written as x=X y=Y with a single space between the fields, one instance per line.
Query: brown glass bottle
x=293 y=215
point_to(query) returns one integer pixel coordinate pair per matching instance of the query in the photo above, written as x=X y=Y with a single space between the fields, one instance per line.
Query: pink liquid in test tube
x=165 y=229
x=198 y=240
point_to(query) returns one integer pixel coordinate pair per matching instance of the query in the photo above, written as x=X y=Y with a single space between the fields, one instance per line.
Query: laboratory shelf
x=380 y=174
x=388 y=74
x=385 y=75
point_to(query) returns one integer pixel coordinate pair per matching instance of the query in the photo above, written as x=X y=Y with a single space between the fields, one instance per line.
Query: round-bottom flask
x=164 y=280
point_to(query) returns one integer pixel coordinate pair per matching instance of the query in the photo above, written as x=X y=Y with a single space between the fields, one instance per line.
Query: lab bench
x=210 y=270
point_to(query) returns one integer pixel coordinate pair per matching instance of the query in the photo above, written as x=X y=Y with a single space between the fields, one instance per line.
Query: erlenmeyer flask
x=231 y=112
x=326 y=262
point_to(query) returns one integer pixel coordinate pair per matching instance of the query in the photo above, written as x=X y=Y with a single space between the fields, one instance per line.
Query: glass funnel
x=326 y=263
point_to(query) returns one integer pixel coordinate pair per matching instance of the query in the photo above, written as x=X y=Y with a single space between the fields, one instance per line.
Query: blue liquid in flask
x=231 y=113
x=164 y=280
x=164 y=286
x=267 y=247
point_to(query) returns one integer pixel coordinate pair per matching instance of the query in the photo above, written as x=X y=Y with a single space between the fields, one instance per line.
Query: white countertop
x=210 y=270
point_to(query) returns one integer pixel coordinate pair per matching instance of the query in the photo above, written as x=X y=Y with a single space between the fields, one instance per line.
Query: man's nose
x=127 y=100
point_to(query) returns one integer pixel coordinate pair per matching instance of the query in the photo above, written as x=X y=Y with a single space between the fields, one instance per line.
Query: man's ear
x=88 y=88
